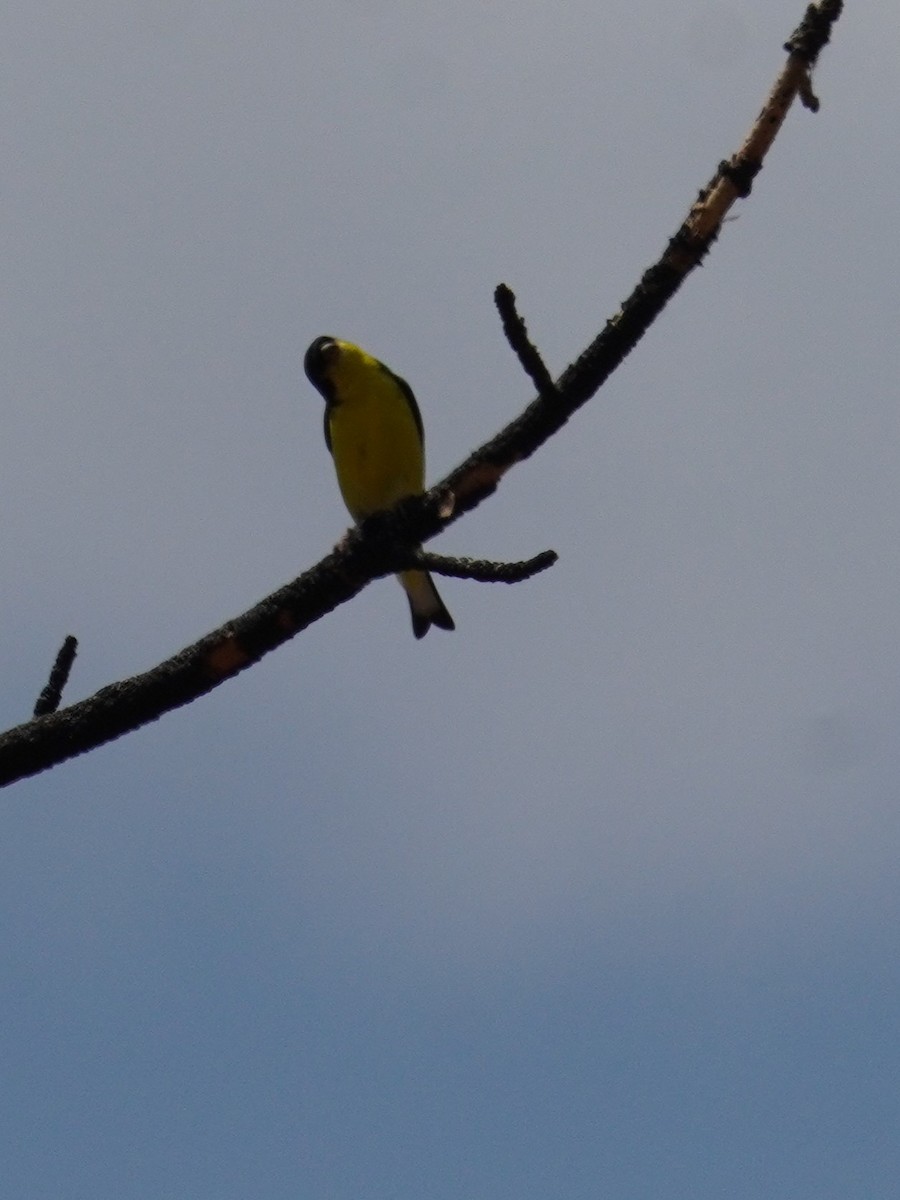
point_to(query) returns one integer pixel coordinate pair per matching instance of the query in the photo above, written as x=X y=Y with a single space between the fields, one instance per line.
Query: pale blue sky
x=597 y=896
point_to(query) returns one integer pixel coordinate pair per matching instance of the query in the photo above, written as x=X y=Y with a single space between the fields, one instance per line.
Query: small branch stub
x=50 y=697
x=517 y=336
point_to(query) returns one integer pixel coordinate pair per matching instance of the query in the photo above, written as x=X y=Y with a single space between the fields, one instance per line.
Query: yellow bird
x=373 y=429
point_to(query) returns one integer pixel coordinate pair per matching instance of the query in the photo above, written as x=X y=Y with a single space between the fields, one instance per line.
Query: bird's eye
x=320 y=353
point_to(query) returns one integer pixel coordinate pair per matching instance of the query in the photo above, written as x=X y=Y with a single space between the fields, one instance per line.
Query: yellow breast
x=375 y=441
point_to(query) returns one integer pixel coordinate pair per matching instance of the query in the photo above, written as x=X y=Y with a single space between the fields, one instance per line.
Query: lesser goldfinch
x=373 y=429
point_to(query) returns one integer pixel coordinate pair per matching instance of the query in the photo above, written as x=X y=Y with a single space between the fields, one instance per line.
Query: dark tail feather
x=425 y=605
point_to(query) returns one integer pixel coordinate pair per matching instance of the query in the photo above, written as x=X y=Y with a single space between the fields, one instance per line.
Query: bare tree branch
x=380 y=546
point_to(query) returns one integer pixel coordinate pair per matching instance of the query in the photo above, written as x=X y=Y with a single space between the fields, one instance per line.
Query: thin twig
x=50 y=697
x=517 y=336
x=482 y=570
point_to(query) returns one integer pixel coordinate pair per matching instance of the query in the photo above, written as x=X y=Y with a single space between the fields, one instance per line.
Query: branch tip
x=814 y=31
